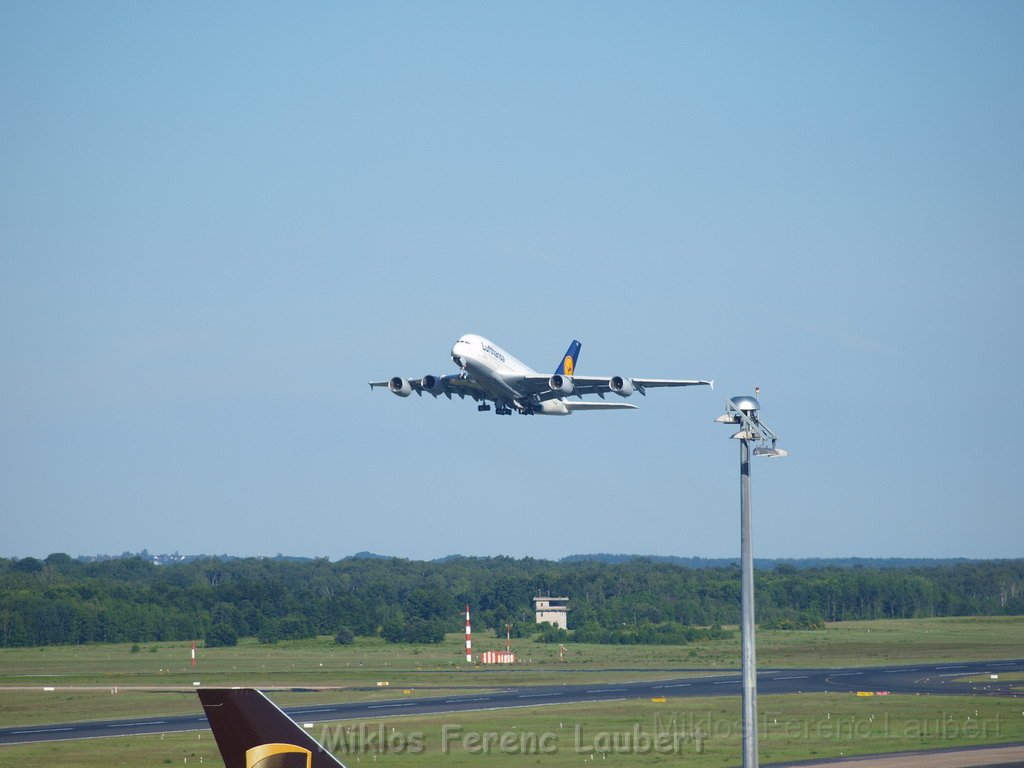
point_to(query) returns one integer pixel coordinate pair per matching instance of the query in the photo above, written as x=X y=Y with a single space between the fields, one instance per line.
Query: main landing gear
x=500 y=408
x=504 y=409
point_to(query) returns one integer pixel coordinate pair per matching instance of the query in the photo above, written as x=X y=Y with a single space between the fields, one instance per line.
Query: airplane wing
x=452 y=384
x=489 y=374
x=540 y=386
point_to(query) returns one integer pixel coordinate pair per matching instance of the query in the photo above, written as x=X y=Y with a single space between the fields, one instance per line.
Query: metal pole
x=747 y=615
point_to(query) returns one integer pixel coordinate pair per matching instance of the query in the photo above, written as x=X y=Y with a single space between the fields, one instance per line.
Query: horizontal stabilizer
x=586 y=405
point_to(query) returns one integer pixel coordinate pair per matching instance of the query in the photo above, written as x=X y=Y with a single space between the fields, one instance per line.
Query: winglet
x=568 y=364
x=252 y=732
x=712 y=382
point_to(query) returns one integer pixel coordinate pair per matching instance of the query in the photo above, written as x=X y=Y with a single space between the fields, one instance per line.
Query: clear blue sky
x=218 y=222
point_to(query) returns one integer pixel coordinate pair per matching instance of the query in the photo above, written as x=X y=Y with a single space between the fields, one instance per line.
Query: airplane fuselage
x=492 y=369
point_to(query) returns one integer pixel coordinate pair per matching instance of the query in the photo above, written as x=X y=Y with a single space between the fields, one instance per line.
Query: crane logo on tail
x=278 y=756
x=567 y=364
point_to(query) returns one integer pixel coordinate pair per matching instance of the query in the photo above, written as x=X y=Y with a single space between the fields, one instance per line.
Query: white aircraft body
x=489 y=373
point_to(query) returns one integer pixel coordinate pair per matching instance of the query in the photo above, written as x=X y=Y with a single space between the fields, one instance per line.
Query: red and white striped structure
x=469 y=638
x=193 y=653
x=497 y=657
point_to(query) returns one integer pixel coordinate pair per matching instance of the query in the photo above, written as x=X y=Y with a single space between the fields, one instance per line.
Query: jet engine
x=400 y=386
x=432 y=385
x=621 y=386
x=561 y=384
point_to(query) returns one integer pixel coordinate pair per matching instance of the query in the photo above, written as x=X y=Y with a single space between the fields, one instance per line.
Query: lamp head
x=745 y=404
x=747 y=434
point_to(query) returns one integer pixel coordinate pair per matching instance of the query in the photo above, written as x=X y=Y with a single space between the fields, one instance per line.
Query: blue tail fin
x=568 y=364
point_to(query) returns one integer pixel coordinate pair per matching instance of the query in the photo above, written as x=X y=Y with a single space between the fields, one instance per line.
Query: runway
x=904 y=679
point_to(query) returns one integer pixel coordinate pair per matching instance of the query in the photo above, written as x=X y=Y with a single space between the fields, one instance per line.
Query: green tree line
x=129 y=599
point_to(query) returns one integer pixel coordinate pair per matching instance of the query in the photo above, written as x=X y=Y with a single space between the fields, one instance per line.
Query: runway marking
x=677 y=685
x=793 y=677
x=42 y=730
x=953 y=666
x=607 y=690
x=132 y=725
x=538 y=695
x=894 y=671
x=386 y=706
x=728 y=682
x=842 y=674
x=465 y=701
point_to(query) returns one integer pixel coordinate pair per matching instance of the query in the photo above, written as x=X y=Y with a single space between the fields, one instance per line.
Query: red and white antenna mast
x=193 y=653
x=469 y=638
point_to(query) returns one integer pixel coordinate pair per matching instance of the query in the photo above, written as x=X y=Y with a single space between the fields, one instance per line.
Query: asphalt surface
x=906 y=679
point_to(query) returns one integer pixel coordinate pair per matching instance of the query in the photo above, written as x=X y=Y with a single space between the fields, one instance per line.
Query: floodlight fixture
x=747 y=434
x=771 y=451
x=743 y=412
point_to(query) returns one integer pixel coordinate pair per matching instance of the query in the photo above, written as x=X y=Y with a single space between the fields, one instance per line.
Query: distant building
x=553 y=610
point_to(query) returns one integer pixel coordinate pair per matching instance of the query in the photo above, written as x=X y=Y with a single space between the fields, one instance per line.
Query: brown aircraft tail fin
x=252 y=732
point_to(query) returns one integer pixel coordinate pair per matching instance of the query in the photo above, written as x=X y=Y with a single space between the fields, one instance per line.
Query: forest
x=62 y=600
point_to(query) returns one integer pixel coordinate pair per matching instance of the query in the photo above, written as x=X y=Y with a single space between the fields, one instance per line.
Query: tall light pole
x=742 y=411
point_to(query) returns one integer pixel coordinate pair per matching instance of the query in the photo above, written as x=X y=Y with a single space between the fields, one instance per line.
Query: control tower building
x=552 y=609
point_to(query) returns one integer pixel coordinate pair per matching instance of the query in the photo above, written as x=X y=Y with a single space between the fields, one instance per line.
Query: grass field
x=159 y=682
x=321 y=661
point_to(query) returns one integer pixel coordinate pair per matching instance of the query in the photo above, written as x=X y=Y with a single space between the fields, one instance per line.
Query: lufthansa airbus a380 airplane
x=489 y=373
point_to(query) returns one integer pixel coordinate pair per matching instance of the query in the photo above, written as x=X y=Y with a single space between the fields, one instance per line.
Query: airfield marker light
x=743 y=411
